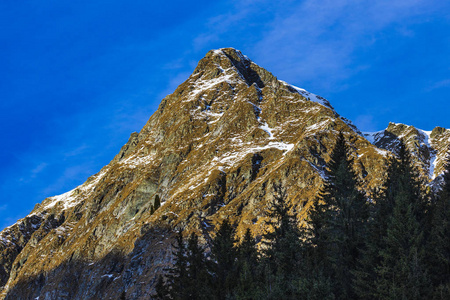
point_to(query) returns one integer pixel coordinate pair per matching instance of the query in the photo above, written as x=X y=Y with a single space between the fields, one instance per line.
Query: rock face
x=429 y=148
x=212 y=150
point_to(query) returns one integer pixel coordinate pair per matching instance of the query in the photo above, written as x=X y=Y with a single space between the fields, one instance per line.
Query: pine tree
x=161 y=289
x=439 y=243
x=224 y=256
x=282 y=256
x=156 y=203
x=401 y=274
x=123 y=296
x=247 y=265
x=366 y=275
x=177 y=276
x=197 y=275
x=338 y=223
x=401 y=271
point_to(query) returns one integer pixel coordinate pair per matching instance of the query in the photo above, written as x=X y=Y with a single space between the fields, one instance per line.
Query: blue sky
x=77 y=77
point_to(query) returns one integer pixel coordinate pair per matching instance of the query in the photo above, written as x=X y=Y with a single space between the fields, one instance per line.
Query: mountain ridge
x=210 y=151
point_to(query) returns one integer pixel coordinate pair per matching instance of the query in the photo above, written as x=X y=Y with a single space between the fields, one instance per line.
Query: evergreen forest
x=392 y=245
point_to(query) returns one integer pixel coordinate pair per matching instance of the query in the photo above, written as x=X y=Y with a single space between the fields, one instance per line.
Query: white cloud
x=78 y=173
x=318 y=40
x=312 y=41
x=38 y=169
x=438 y=85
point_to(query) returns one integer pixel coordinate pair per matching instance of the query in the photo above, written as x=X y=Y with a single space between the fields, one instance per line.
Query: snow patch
x=382 y=151
x=74 y=196
x=317 y=126
x=433 y=156
x=373 y=137
x=134 y=161
x=320 y=171
x=267 y=129
x=233 y=157
x=310 y=96
x=204 y=85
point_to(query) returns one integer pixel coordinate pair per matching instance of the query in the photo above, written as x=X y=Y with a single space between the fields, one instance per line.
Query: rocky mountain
x=212 y=150
x=429 y=148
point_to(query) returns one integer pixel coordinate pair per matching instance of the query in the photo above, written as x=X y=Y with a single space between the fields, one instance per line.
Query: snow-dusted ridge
x=309 y=96
x=75 y=196
x=372 y=137
x=433 y=156
x=424 y=139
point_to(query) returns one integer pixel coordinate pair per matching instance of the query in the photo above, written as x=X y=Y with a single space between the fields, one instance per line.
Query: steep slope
x=211 y=151
x=429 y=148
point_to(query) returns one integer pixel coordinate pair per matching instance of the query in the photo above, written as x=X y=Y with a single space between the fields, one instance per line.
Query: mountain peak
x=212 y=150
x=226 y=61
x=429 y=148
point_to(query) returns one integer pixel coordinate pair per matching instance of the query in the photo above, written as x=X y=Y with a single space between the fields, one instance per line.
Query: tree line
x=394 y=245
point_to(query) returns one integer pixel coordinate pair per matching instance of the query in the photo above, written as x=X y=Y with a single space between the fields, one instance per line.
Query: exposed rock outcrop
x=211 y=151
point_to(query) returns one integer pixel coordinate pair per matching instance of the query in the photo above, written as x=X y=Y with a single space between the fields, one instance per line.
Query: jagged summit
x=231 y=66
x=226 y=61
x=429 y=147
x=212 y=150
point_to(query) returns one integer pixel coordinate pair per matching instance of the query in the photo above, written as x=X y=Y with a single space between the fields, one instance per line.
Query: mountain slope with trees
x=212 y=151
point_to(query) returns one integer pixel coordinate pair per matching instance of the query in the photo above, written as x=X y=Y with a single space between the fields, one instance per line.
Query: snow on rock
x=382 y=152
x=317 y=126
x=231 y=158
x=267 y=129
x=320 y=171
x=73 y=197
x=309 y=96
x=138 y=159
x=433 y=157
x=204 y=85
x=352 y=126
x=372 y=137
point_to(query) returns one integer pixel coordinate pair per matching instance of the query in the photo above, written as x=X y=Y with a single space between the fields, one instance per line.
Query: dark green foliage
x=282 y=257
x=401 y=274
x=188 y=277
x=439 y=242
x=224 y=261
x=315 y=286
x=247 y=266
x=393 y=265
x=123 y=296
x=177 y=276
x=157 y=203
x=366 y=274
x=352 y=248
x=400 y=268
x=162 y=290
x=247 y=251
x=339 y=223
x=197 y=275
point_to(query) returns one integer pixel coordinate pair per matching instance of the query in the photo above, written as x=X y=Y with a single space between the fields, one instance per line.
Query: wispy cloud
x=174 y=82
x=313 y=41
x=318 y=40
x=221 y=24
x=80 y=172
x=438 y=85
x=38 y=169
